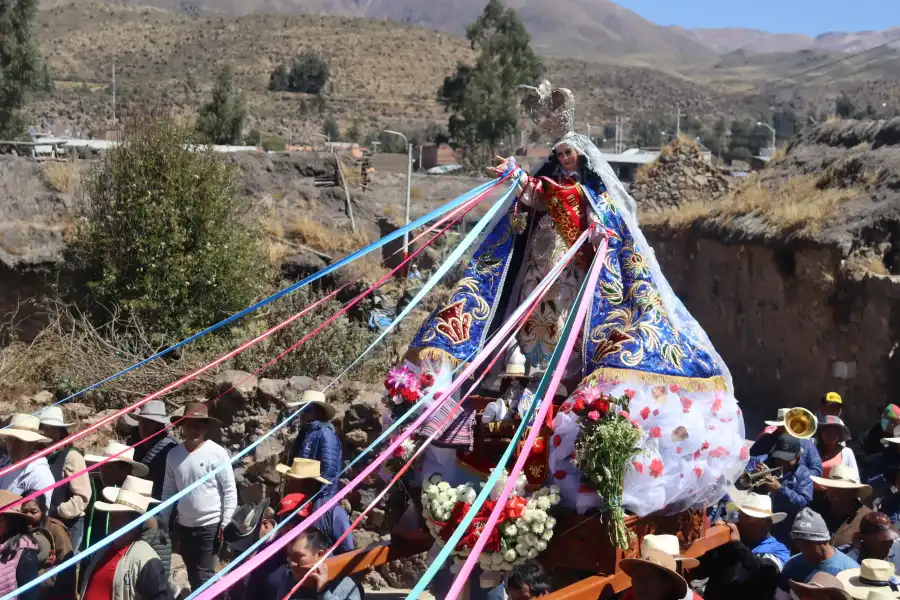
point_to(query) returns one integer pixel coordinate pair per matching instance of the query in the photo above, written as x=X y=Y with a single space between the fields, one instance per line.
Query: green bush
x=162 y=241
x=308 y=75
x=221 y=120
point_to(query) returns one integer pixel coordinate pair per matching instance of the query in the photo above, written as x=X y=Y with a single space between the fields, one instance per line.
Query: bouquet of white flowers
x=523 y=531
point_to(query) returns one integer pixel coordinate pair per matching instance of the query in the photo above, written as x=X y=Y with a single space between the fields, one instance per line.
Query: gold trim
x=690 y=384
x=429 y=353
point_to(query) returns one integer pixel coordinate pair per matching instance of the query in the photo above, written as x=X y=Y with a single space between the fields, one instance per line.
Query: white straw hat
x=844 y=478
x=126 y=501
x=669 y=545
x=779 y=421
x=113 y=448
x=303 y=468
x=872 y=575
x=314 y=397
x=144 y=487
x=53 y=416
x=26 y=428
x=758 y=506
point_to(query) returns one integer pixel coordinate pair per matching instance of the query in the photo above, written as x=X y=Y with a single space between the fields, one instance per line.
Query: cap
x=290 y=503
x=833 y=397
x=810 y=526
x=787 y=447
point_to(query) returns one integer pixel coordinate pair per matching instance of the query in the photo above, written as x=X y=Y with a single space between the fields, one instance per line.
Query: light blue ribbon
x=453 y=204
x=449 y=546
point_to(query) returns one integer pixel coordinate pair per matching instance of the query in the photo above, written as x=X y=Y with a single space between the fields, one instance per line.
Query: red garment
x=100 y=586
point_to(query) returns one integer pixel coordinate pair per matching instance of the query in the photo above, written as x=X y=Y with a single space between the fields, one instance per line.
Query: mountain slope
x=727 y=40
x=565 y=27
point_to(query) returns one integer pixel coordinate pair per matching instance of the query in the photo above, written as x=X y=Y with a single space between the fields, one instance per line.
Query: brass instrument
x=754 y=479
x=800 y=423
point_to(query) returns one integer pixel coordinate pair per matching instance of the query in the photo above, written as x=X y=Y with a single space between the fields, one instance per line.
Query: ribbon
x=78 y=435
x=445 y=552
x=226 y=582
x=573 y=324
x=453 y=204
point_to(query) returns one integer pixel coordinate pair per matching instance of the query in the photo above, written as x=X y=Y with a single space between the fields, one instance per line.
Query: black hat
x=787 y=447
x=244 y=527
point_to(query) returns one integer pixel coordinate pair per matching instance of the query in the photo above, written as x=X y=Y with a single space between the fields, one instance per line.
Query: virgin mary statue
x=638 y=341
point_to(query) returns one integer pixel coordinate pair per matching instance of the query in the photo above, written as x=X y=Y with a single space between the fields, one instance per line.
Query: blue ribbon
x=453 y=204
x=438 y=562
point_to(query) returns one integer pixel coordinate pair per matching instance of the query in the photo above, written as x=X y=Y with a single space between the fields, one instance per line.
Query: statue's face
x=567 y=157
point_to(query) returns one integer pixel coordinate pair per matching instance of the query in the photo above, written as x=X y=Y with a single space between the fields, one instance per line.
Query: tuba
x=800 y=423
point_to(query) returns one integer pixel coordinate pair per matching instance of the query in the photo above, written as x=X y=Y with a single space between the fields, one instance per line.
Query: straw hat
x=24 y=427
x=821 y=585
x=758 y=506
x=843 y=477
x=126 y=501
x=144 y=487
x=669 y=545
x=833 y=421
x=52 y=416
x=7 y=498
x=194 y=411
x=155 y=411
x=126 y=456
x=780 y=419
x=662 y=562
x=314 y=397
x=871 y=575
x=303 y=468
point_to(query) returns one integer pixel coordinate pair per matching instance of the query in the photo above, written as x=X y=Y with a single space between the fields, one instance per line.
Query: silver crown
x=553 y=109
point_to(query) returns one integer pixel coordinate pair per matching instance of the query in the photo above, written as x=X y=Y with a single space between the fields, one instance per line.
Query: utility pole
x=409 y=150
x=678 y=124
x=589 y=130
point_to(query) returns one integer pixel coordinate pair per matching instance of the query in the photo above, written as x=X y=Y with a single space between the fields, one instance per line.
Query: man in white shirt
x=202 y=514
x=23 y=438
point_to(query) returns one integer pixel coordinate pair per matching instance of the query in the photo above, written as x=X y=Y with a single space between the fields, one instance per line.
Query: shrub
x=221 y=120
x=308 y=75
x=162 y=241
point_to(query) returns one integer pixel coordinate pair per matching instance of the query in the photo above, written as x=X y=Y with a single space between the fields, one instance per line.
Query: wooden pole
x=348 y=206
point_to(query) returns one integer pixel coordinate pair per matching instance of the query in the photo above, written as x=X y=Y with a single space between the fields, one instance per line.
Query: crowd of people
x=84 y=508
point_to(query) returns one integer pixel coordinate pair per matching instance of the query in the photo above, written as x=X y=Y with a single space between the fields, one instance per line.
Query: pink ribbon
x=243 y=570
x=463 y=575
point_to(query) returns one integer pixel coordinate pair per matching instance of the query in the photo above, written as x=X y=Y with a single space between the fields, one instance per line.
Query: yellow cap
x=833 y=397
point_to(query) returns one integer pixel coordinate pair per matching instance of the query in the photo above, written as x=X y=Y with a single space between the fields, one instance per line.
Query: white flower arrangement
x=522 y=534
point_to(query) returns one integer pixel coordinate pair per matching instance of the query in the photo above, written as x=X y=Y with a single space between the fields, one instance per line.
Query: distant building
x=437 y=156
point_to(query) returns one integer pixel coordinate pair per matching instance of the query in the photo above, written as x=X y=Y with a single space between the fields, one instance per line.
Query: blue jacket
x=809 y=459
x=333 y=523
x=318 y=441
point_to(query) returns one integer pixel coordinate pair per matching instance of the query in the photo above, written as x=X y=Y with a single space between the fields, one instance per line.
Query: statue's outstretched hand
x=503 y=166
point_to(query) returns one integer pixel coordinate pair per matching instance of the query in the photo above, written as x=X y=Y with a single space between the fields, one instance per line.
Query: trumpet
x=754 y=479
x=800 y=423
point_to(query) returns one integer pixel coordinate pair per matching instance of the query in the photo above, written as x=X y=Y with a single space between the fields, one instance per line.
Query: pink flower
x=656 y=413
x=696 y=455
x=717 y=405
x=426 y=380
x=625 y=414
x=591 y=394
x=686 y=404
x=677 y=449
x=705 y=445
x=717 y=452
x=656 y=468
x=745 y=453
x=639 y=467
x=635 y=423
x=594 y=415
x=698 y=472
x=673 y=388
x=630 y=394
x=645 y=413
x=655 y=432
x=400 y=378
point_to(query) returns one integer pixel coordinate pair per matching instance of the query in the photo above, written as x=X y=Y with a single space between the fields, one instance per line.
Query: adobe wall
x=786 y=324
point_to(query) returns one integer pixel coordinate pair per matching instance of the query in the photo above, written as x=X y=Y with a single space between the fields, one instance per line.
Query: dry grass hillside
x=382 y=73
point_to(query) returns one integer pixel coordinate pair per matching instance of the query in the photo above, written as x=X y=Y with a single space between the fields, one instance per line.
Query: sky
x=811 y=17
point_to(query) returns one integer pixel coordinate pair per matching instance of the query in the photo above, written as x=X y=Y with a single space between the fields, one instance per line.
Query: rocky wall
x=789 y=327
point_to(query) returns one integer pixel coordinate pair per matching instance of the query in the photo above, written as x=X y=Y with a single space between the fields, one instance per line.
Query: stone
x=237 y=384
x=271 y=390
x=364 y=416
x=76 y=411
x=373 y=580
x=44 y=398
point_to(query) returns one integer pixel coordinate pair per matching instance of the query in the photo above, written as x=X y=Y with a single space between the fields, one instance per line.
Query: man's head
x=754 y=529
x=831 y=404
x=304 y=551
x=890 y=418
x=755 y=518
x=821 y=586
x=811 y=536
x=196 y=424
x=23 y=436
x=654 y=576
x=114 y=473
x=304 y=476
x=527 y=581
x=786 y=452
x=317 y=407
x=876 y=536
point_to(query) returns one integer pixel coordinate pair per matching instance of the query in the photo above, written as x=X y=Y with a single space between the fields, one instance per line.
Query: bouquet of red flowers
x=405 y=388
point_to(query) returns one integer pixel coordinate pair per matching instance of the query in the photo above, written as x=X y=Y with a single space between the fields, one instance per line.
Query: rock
x=237 y=384
x=363 y=415
x=76 y=411
x=300 y=265
x=680 y=175
x=44 y=398
x=375 y=519
x=301 y=383
x=356 y=438
x=271 y=390
x=374 y=581
x=405 y=572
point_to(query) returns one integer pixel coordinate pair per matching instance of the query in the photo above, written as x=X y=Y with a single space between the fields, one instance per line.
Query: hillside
x=729 y=39
x=382 y=73
x=600 y=26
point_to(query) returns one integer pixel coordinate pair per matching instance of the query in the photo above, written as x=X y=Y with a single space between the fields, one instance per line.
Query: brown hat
x=821 y=585
x=195 y=411
x=877 y=527
x=662 y=562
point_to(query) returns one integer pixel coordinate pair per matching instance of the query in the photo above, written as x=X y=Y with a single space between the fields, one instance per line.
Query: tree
x=844 y=106
x=308 y=75
x=482 y=99
x=331 y=128
x=222 y=118
x=21 y=70
x=163 y=241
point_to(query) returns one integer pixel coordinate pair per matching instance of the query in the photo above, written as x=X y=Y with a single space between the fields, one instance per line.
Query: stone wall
x=788 y=325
